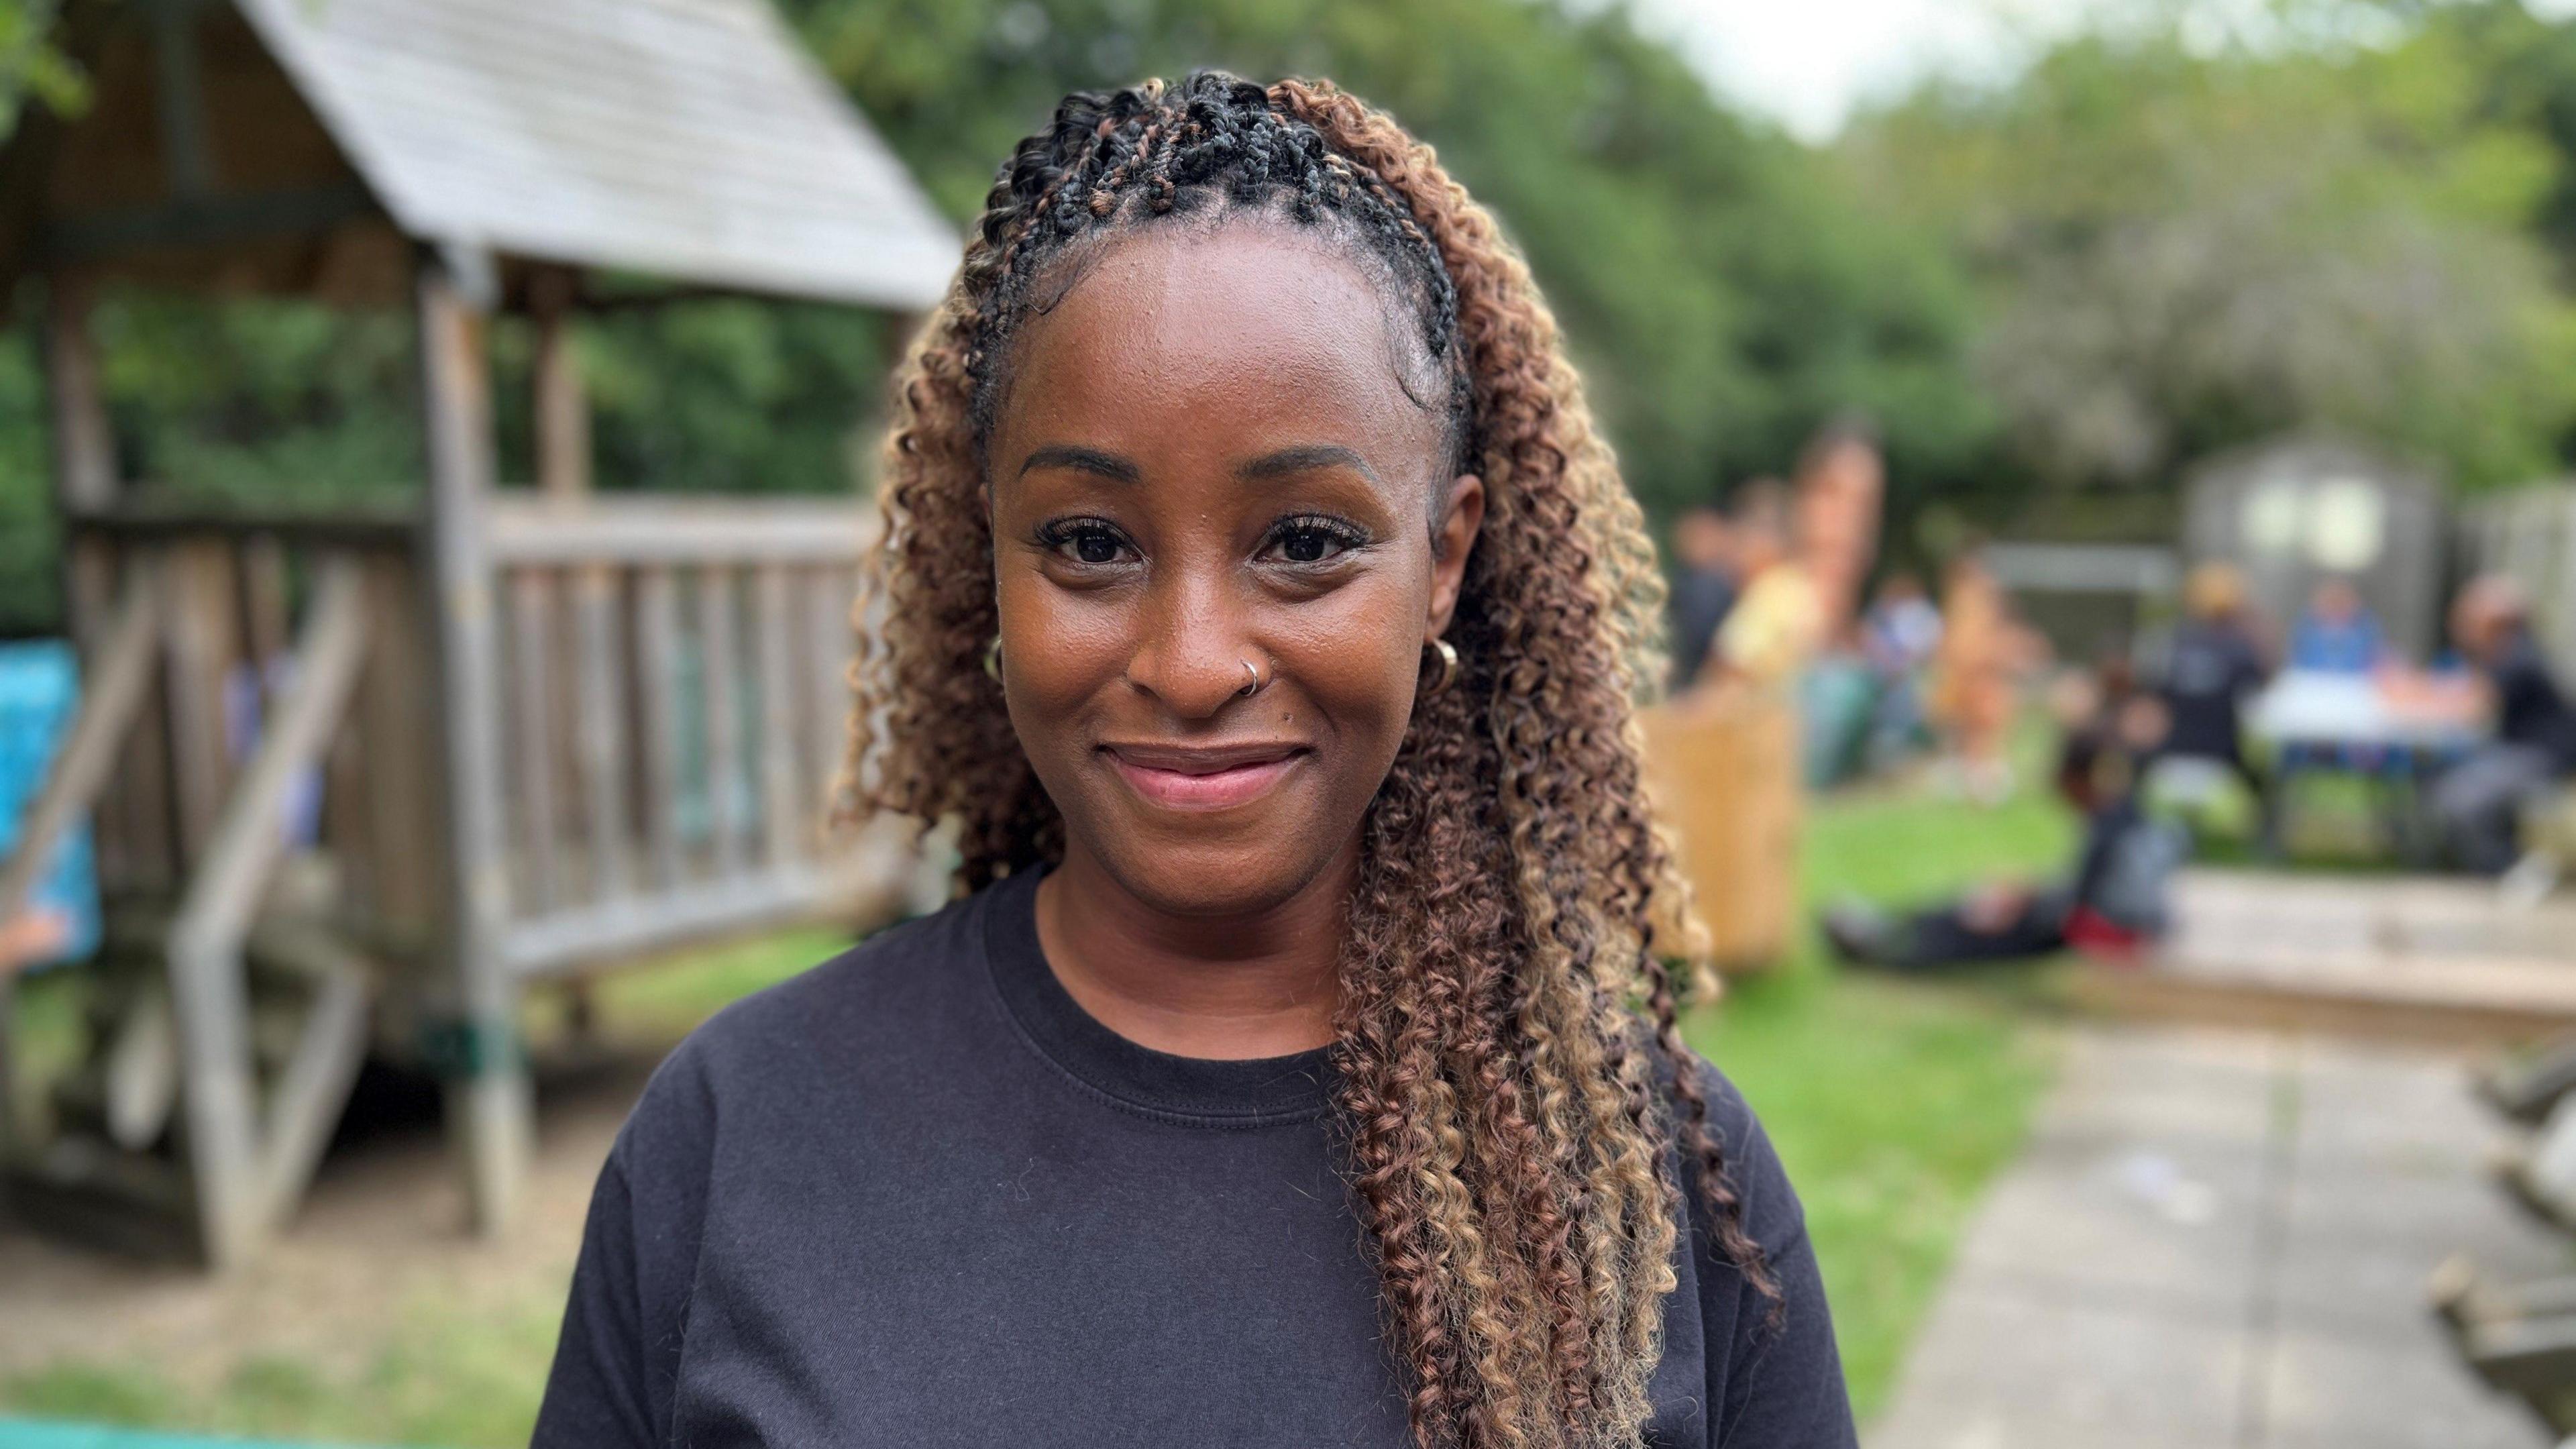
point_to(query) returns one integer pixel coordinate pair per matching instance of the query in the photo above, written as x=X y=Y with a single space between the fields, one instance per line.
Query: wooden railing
x=666 y=693
x=673 y=697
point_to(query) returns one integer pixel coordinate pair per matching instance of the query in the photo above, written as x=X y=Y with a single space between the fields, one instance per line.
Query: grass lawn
x=1891 y=1102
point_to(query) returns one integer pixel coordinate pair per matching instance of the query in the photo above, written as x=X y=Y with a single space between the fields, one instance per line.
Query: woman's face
x=1206 y=458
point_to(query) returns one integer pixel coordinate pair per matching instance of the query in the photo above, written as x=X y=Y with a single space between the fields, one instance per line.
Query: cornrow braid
x=1213 y=146
x=1516 y=1109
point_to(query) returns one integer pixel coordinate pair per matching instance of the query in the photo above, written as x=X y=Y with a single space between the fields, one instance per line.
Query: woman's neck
x=1219 y=988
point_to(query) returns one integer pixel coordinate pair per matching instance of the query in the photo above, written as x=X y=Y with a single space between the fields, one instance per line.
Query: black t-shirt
x=2212 y=669
x=918 y=1196
x=2529 y=708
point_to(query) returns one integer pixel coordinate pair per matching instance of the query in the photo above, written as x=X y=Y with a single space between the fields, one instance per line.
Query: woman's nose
x=1191 y=649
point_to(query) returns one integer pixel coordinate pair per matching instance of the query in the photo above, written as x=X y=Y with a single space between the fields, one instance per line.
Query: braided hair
x=1511 y=1077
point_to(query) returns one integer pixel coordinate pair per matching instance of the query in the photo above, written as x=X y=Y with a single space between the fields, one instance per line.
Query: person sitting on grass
x=2111 y=904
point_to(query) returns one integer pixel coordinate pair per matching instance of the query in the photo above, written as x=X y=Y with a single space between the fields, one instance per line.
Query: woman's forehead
x=1220 y=326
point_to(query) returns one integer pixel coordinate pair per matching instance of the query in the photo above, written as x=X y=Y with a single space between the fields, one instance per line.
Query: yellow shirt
x=1775 y=628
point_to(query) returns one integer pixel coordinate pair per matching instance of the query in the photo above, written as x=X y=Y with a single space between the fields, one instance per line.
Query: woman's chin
x=1211 y=875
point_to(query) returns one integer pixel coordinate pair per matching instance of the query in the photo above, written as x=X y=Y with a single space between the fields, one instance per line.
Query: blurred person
x=2478 y=802
x=1900 y=635
x=2213 y=665
x=1974 y=669
x=1841 y=485
x=1300 y=1063
x=1778 y=623
x=2112 y=900
x=1705 y=587
x=2337 y=633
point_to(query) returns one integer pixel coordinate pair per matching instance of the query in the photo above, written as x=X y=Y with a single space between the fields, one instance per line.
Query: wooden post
x=784 y=810
x=488 y=1102
x=562 y=406
x=657 y=660
x=716 y=635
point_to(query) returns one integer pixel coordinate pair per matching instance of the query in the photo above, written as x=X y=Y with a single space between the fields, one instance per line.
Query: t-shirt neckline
x=1222 y=1093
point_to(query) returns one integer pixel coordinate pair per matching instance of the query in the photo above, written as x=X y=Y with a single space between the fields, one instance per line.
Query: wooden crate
x=1723 y=766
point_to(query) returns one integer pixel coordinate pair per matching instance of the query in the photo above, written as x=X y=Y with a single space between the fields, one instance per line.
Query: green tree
x=2182 y=246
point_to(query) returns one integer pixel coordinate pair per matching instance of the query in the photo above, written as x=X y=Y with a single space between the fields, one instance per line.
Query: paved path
x=2220 y=1241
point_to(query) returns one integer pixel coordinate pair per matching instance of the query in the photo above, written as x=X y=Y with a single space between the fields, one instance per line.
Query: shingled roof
x=691 y=140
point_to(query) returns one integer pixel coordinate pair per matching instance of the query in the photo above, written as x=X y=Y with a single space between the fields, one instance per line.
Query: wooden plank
x=198 y=602
x=716 y=636
x=188 y=168
x=785 y=810
x=85 y=477
x=828 y=598
x=657 y=657
x=84 y=442
x=867 y=881
x=489 y=1107
x=532 y=743
x=680 y=531
x=601 y=706
x=207 y=989
x=264 y=601
x=398 y=747
x=562 y=408
x=314 y=1088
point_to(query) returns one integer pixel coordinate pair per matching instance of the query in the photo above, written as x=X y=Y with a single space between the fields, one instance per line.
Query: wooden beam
x=489 y=1106
x=179 y=99
x=717 y=636
x=562 y=404
x=204 y=224
x=600 y=709
x=314 y=1088
x=785 y=811
x=532 y=746
x=657 y=659
x=680 y=531
x=207 y=989
x=84 y=443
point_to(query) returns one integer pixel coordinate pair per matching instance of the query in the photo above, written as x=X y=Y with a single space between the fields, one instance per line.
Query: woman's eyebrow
x=1305 y=459
x=1082 y=460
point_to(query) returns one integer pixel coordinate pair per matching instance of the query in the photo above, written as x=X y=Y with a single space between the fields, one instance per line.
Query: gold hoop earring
x=993 y=659
x=1448 y=666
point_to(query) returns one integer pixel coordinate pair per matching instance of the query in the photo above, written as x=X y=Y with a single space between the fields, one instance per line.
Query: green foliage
x=1722 y=293
x=31 y=66
x=2181 y=245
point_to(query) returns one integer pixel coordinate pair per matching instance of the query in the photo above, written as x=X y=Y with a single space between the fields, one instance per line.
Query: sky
x=1809 y=62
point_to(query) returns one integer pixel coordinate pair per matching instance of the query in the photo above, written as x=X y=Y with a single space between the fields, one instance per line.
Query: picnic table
x=2395 y=729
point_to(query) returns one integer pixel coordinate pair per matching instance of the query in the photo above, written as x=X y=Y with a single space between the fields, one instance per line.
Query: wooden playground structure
x=359 y=779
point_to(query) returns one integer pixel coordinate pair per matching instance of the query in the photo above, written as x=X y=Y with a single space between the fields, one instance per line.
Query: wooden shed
x=2295 y=511
x=360 y=778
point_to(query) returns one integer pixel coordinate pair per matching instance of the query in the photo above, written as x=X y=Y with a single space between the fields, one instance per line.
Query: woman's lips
x=1202 y=780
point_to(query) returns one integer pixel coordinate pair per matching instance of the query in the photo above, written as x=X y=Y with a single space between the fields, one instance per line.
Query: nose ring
x=1257 y=681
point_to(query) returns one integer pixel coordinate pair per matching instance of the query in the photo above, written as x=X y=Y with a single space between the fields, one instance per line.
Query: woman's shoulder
x=1766 y=1203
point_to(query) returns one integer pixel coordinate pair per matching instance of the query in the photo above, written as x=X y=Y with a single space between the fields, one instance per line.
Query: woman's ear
x=1453 y=536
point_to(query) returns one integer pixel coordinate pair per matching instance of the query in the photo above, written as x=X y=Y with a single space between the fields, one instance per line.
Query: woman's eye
x=1307 y=543
x=1095 y=544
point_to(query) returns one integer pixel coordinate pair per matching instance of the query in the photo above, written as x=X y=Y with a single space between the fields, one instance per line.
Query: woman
x=1259 y=602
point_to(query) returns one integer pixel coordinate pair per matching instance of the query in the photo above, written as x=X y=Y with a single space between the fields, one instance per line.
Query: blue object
x=39 y=694
x=25 y=1434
